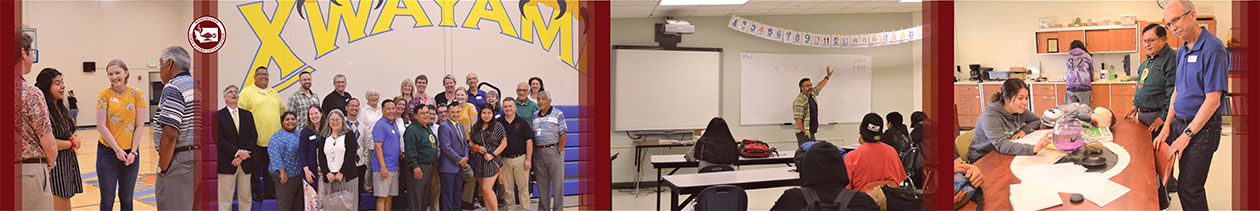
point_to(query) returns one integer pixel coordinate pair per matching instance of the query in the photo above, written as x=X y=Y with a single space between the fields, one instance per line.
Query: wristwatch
x=1189 y=133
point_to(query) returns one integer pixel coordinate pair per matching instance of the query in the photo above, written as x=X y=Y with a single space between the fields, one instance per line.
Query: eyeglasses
x=1175 y=19
x=1149 y=41
x=522 y=90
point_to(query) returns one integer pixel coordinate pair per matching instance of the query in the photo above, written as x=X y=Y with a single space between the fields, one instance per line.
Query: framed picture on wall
x=1052 y=45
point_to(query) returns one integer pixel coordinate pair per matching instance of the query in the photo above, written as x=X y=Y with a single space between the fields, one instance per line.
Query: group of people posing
x=309 y=153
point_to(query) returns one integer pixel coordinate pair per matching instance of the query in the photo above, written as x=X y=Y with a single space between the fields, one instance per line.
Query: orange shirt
x=873 y=162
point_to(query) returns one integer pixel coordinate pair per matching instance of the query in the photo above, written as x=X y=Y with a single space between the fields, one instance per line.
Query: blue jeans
x=115 y=176
x=451 y=191
x=1195 y=161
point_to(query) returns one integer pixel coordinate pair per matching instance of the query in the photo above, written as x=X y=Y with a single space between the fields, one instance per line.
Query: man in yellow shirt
x=266 y=105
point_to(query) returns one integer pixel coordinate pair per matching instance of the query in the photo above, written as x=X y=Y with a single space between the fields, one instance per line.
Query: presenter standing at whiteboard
x=805 y=109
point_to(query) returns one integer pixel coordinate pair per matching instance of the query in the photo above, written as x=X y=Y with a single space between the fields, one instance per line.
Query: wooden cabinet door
x=1098 y=40
x=1042 y=38
x=1101 y=96
x=1066 y=38
x=1124 y=39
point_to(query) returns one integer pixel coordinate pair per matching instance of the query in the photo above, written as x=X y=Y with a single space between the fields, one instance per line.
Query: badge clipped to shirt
x=1192 y=58
x=114 y=99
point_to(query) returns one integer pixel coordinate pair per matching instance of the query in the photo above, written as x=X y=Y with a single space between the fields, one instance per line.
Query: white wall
x=71 y=32
x=893 y=70
x=999 y=34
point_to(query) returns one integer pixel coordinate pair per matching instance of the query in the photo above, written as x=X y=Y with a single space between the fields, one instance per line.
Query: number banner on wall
x=824 y=40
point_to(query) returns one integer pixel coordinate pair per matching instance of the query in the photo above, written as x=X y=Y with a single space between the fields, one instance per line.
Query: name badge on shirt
x=113 y=99
x=312 y=138
x=1193 y=58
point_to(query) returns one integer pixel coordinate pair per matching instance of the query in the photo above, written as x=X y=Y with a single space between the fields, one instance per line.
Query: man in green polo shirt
x=1155 y=79
x=525 y=108
x=805 y=109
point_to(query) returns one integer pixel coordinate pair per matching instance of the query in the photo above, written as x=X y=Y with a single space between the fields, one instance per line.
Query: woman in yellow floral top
x=121 y=109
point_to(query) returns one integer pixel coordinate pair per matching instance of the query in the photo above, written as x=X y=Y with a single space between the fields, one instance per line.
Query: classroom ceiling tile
x=712 y=13
x=836 y=4
x=727 y=8
x=800 y=4
x=821 y=11
x=755 y=4
x=785 y=12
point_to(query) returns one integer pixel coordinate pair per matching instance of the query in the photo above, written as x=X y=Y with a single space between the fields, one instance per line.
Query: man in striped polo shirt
x=177 y=108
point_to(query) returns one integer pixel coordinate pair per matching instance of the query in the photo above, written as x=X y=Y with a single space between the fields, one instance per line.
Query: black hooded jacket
x=717 y=145
x=822 y=169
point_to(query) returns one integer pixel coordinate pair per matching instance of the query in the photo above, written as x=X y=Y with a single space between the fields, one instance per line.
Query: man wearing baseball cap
x=873 y=161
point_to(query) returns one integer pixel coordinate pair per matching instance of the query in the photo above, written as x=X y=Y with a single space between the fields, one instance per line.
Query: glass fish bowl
x=1068 y=135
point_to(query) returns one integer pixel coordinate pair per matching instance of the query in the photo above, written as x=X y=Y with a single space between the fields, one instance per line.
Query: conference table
x=747 y=179
x=678 y=161
x=1139 y=176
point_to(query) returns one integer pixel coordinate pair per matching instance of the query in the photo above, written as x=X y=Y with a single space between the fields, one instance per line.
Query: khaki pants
x=470 y=182
x=235 y=183
x=516 y=179
x=36 y=191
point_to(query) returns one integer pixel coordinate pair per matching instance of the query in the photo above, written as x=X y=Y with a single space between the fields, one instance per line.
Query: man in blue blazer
x=454 y=156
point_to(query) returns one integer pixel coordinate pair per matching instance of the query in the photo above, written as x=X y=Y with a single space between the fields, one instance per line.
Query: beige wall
x=71 y=32
x=999 y=34
x=891 y=80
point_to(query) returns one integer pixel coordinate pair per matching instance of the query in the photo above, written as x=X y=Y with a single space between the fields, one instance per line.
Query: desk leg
x=658 y=189
x=638 y=171
x=673 y=200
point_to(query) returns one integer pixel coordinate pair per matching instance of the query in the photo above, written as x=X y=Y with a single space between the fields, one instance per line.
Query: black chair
x=722 y=197
x=716 y=169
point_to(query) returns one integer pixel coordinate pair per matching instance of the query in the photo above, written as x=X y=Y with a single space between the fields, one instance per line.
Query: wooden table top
x=1139 y=176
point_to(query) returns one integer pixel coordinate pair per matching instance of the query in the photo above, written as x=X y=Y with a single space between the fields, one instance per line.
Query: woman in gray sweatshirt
x=1005 y=119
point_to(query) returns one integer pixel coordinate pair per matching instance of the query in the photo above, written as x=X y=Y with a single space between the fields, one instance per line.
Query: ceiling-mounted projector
x=679 y=27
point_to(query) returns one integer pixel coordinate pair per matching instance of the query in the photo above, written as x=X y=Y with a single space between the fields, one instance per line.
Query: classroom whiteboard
x=665 y=89
x=768 y=85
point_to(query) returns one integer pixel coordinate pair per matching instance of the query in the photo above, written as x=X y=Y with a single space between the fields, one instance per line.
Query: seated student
x=1006 y=118
x=916 y=122
x=873 y=161
x=897 y=135
x=715 y=147
x=824 y=177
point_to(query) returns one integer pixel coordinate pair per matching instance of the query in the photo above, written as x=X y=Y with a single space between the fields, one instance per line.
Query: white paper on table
x=1050 y=173
x=1103 y=191
x=1045 y=157
x=1034 y=196
x=1033 y=137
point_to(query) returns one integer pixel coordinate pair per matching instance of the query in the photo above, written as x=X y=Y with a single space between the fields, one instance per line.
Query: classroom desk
x=1139 y=176
x=639 y=146
x=747 y=179
x=661 y=162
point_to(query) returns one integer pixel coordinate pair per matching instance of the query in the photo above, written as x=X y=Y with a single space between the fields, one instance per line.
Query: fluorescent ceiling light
x=702 y=2
x=909 y=1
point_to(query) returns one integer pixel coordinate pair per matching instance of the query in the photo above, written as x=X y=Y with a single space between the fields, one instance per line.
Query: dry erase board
x=659 y=89
x=768 y=85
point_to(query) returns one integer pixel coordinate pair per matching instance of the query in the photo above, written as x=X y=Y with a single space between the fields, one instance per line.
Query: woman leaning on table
x=1005 y=119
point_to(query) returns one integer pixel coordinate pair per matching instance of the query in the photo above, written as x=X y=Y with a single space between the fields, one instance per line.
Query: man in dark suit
x=237 y=140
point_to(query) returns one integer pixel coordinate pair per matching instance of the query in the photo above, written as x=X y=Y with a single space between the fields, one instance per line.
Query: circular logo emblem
x=206 y=34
